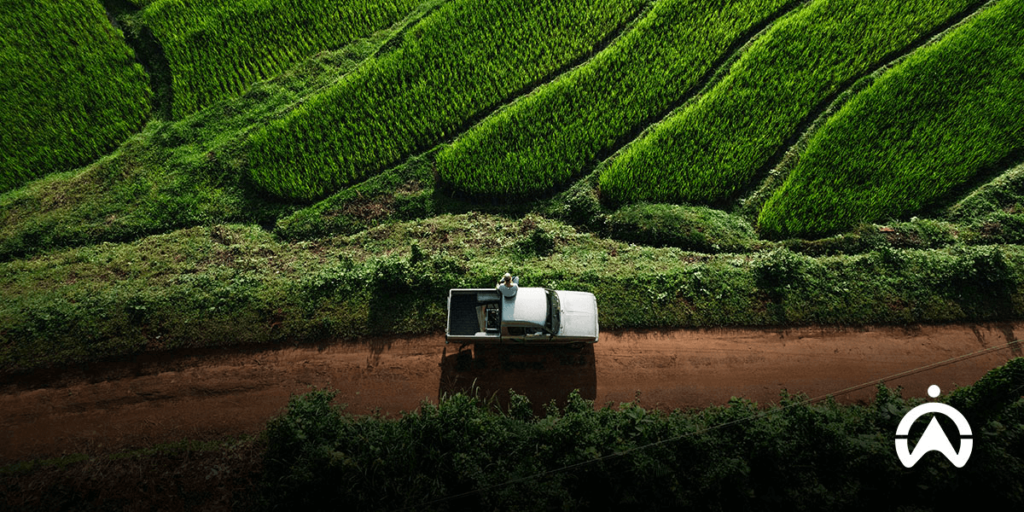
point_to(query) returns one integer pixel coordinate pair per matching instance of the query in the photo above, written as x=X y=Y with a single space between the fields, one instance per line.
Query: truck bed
x=467 y=312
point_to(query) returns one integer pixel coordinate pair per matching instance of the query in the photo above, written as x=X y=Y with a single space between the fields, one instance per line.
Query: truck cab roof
x=527 y=306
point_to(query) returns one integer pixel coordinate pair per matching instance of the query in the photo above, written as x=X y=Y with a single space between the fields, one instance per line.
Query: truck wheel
x=577 y=346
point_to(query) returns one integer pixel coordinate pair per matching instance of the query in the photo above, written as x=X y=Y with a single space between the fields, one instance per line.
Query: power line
x=760 y=415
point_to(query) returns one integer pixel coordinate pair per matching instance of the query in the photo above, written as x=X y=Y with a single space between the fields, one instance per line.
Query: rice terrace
x=229 y=228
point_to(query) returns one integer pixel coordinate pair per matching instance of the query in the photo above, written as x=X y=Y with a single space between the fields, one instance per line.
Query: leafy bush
x=69 y=85
x=538 y=243
x=946 y=114
x=790 y=456
x=713 y=148
x=461 y=61
x=692 y=228
x=581 y=206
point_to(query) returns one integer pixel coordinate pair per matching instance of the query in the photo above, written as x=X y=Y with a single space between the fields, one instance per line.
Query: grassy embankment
x=563 y=129
x=213 y=285
x=69 y=85
x=946 y=114
x=174 y=174
x=712 y=149
x=229 y=285
x=217 y=49
x=440 y=78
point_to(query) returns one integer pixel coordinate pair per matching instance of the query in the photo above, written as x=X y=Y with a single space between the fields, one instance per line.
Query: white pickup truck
x=531 y=316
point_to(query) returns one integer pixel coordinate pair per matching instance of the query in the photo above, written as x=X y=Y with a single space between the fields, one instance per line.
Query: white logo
x=934 y=439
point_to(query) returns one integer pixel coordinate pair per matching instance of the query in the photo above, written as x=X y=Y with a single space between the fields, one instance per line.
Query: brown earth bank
x=213 y=394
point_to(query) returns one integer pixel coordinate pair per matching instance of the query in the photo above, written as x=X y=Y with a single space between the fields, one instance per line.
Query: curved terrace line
x=749 y=201
x=718 y=71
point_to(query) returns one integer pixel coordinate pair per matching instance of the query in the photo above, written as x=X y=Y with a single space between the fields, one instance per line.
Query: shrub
x=792 y=456
x=781 y=268
x=692 y=228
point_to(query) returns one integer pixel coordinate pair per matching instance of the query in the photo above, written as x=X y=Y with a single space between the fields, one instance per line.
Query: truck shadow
x=542 y=373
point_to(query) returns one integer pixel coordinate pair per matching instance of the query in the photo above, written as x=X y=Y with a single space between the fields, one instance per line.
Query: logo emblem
x=934 y=439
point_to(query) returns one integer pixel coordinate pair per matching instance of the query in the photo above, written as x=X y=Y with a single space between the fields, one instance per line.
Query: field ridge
x=774 y=172
x=569 y=125
x=520 y=94
x=372 y=143
x=528 y=89
x=711 y=152
x=718 y=71
x=921 y=111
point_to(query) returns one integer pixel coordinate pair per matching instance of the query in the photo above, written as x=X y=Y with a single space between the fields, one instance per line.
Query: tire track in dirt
x=217 y=393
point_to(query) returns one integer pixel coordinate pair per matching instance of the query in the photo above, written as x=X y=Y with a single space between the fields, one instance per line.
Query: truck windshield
x=553 y=309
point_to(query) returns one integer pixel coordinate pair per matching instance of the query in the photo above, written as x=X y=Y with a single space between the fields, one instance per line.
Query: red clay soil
x=160 y=398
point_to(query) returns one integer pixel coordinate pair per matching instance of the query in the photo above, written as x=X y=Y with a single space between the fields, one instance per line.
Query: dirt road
x=217 y=393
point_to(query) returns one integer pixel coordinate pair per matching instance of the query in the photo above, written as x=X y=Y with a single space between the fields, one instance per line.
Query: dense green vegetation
x=462 y=61
x=563 y=129
x=69 y=85
x=230 y=285
x=171 y=242
x=472 y=453
x=466 y=454
x=217 y=49
x=698 y=229
x=174 y=174
x=946 y=114
x=712 y=149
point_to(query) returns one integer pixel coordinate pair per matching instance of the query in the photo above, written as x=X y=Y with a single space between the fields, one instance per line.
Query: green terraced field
x=934 y=122
x=178 y=238
x=464 y=60
x=713 y=149
x=70 y=89
x=217 y=49
x=562 y=130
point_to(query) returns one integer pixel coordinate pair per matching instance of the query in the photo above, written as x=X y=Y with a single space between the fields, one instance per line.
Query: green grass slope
x=70 y=89
x=562 y=130
x=709 y=151
x=938 y=119
x=237 y=285
x=173 y=174
x=463 y=60
x=217 y=49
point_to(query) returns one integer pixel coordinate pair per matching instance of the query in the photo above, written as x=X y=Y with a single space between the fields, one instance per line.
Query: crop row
x=563 y=129
x=216 y=49
x=465 y=59
x=941 y=117
x=713 y=148
x=70 y=88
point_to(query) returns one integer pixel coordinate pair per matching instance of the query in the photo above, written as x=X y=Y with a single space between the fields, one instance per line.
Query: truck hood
x=578 y=314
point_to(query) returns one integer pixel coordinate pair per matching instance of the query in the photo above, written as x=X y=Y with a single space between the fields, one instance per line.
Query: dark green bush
x=779 y=268
x=692 y=228
x=538 y=243
x=790 y=456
